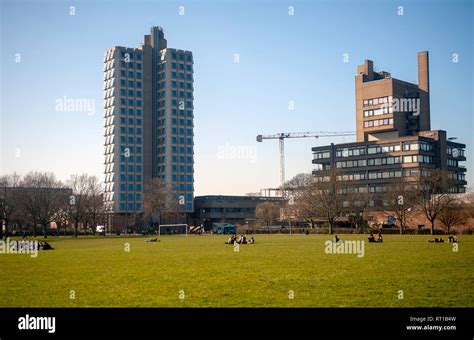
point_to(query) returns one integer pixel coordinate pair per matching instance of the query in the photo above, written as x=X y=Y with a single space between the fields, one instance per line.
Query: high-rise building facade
x=149 y=131
x=394 y=140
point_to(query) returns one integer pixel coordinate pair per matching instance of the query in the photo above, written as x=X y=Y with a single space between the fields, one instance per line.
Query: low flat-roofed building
x=228 y=209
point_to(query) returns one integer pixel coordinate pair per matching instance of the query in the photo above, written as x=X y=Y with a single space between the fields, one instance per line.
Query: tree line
x=328 y=198
x=38 y=199
x=34 y=201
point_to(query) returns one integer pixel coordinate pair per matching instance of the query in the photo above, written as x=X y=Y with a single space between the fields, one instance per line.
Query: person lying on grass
x=42 y=245
x=437 y=240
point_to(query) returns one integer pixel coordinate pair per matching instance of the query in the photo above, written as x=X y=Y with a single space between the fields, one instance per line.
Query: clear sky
x=282 y=58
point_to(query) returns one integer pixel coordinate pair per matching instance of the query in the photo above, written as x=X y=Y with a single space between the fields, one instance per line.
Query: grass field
x=205 y=272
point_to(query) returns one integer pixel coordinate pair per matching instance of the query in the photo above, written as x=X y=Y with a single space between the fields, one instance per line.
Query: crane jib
x=281 y=137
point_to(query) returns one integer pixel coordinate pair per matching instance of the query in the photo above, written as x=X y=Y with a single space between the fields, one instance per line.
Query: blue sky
x=282 y=58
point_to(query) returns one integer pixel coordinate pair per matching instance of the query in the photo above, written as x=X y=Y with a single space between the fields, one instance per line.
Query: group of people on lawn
x=379 y=237
x=336 y=239
x=242 y=240
x=451 y=239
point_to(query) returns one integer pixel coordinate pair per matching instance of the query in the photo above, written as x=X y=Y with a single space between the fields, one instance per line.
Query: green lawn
x=212 y=274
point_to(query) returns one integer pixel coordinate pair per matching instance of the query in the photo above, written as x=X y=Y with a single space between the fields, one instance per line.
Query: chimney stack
x=424 y=89
x=423 y=71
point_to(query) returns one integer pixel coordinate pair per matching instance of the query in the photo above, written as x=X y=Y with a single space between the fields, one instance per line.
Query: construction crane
x=281 y=137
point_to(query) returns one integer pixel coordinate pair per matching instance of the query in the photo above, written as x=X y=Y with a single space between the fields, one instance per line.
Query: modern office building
x=148 y=94
x=394 y=140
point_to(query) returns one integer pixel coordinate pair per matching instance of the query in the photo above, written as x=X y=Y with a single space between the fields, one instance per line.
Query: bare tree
x=303 y=197
x=85 y=203
x=9 y=200
x=94 y=203
x=20 y=217
x=30 y=199
x=322 y=197
x=299 y=182
x=295 y=189
x=401 y=200
x=77 y=206
x=61 y=219
x=266 y=213
x=306 y=210
x=157 y=200
x=433 y=194
x=354 y=205
x=41 y=198
x=453 y=213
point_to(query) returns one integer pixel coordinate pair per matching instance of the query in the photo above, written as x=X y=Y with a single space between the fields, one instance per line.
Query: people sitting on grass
x=336 y=239
x=371 y=237
x=242 y=240
x=453 y=239
x=437 y=240
x=380 y=237
x=152 y=240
